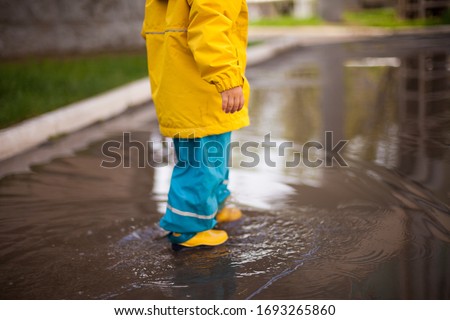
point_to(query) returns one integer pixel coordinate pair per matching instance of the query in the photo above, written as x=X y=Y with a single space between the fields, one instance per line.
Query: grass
x=387 y=17
x=31 y=87
x=287 y=21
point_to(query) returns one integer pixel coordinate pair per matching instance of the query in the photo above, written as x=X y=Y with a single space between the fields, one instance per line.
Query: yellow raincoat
x=196 y=49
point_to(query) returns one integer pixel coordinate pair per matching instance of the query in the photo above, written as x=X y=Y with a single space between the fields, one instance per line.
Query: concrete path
x=307 y=35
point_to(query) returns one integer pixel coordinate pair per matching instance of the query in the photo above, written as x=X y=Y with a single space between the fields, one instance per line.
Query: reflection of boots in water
x=204 y=274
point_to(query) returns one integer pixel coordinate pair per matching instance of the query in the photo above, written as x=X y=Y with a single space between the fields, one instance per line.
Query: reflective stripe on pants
x=198 y=187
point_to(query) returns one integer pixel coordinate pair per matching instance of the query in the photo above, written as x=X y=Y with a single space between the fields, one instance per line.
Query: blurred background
x=99 y=45
x=53 y=27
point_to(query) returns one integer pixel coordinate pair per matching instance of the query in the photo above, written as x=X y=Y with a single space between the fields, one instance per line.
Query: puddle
x=377 y=228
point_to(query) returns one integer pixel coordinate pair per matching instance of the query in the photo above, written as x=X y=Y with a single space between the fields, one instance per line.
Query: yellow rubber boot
x=228 y=214
x=205 y=238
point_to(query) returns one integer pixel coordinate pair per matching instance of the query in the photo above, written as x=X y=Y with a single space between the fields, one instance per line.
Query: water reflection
x=379 y=228
x=424 y=119
x=372 y=115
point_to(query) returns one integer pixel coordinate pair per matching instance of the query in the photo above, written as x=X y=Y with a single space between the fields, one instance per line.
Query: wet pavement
x=378 y=228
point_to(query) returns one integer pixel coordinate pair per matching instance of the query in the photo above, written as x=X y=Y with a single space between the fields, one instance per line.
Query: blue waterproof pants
x=198 y=187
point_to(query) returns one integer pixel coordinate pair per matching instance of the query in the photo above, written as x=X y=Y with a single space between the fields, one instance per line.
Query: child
x=196 y=59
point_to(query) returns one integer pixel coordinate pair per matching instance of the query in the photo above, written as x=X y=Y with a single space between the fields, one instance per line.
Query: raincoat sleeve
x=209 y=31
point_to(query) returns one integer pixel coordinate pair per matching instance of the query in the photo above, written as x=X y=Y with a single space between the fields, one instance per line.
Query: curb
x=270 y=49
x=279 y=39
x=73 y=117
x=336 y=32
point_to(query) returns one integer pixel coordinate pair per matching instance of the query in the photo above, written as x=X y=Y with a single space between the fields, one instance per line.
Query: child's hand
x=232 y=100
